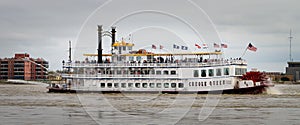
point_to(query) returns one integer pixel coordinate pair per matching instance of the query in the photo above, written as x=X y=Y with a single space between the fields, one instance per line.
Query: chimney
x=100 y=44
x=113 y=35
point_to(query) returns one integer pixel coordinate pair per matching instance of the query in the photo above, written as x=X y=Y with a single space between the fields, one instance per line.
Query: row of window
x=139 y=72
x=211 y=72
x=210 y=83
x=142 y=85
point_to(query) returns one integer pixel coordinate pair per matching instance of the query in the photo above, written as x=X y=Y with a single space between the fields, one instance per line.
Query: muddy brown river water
x=31 y=104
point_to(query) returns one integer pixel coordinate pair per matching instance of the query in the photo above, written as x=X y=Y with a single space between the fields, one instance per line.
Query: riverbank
x=286 y=82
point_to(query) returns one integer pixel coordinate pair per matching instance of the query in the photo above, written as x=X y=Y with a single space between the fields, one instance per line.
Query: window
x=151 y=85
x=166 y=72
x=131 y=58
x=116 y=85
x=226 y=71
x=125 y=71
x=173 y=72
x=166 y=85
x=204 y=83
x=158 y=72
x=145 y=85
x=210 y=83
x=102 y=85
x=196 y=73
x=119 y=72
x=152 y=72
x=203 y=73
x=109 y=85
x=237 y=71
x=137 y=85
x=123 y=85
x=158 y=85
x=240 y=71
x=138 y=58
x=210 y=72
x=219 y=72
x=180 y=85
x=173 y=85
x=130 y=85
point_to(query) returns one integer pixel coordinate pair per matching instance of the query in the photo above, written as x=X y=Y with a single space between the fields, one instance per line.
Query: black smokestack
x=100 y=44
x=113 y=35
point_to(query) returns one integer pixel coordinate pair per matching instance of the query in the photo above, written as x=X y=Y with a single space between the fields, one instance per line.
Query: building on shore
x=279 y=76
x=23 y=67
x=293 y=69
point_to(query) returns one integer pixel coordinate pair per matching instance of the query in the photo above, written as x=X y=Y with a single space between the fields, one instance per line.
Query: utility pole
x=290 y=37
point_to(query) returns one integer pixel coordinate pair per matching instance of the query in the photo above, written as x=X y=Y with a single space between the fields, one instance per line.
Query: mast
x=290 y=37
x=70 y=60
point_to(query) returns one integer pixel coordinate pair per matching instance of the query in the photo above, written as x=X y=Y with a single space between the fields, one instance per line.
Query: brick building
x=23 y=67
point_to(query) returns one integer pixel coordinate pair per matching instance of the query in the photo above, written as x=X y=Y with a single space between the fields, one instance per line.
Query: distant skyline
x=43 y=28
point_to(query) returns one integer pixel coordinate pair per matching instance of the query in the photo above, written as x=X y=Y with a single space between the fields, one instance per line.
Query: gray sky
x=43 y=28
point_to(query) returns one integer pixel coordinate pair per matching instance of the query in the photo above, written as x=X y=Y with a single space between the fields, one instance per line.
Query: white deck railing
x=181 y=64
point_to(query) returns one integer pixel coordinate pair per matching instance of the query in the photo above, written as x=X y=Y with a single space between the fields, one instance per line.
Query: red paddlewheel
x=254 y=76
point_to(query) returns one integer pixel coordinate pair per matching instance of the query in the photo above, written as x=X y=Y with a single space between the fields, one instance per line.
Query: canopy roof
x=162 y=54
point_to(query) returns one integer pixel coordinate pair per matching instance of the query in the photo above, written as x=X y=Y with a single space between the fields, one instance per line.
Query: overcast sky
x=43 y=28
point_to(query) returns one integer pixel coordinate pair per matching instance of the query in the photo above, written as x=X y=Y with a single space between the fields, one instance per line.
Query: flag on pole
x=184 y=47
x=216 y=45
x=251 y=47
x=198 y=46
x=175 y=46
x=161 y=47
x=205 y=46
x=223 y=45
x=153 y=46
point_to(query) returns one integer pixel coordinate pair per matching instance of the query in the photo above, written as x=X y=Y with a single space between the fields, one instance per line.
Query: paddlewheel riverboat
x=126 y=70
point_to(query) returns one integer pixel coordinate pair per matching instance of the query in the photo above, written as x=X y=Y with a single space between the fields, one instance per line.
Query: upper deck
x=174 y=64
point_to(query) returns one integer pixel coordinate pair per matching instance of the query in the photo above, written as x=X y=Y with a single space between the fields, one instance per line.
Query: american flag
x=251 y=47
x=153 y=46
x=205 y=46
x=216 y=45
x=224 y=45
x=198 y=46
x=161 y=47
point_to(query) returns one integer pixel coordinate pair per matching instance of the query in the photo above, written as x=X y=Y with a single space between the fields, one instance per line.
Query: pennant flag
x=161 y=47
x=153 y=46
x=216 y=45
x=251 y=47
x=223 y=45
x=205 y=46
x=175 y=46
x=198 y=46
x=184 y=47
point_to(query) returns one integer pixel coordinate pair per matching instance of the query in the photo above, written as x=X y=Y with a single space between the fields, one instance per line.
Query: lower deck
x=154 y=85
